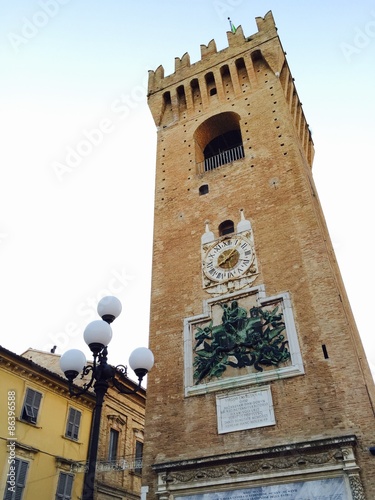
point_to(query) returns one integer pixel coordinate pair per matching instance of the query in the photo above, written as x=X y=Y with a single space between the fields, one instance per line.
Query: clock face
x=228 y=259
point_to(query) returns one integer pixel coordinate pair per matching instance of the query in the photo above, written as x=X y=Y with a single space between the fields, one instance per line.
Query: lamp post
x=97 y=336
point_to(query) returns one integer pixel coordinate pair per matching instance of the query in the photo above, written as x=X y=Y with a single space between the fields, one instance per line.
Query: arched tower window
x=218 y=141
x=167 y=107
x=181 y=98
x=227 y=81
x=259 y=63
x=226 y=227
x=195 y=92
x=210 y=82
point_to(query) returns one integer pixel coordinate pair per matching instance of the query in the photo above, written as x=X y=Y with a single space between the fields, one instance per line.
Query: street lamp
x=97 y=336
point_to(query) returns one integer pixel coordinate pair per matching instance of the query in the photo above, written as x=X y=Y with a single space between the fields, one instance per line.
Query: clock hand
x=231 y=254
x=222 y=259
x=228 y=257
x=234 y=249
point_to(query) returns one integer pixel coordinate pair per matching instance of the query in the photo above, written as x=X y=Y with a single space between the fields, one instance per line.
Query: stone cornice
x=327 y=457
x=290 y=449
x=28 y=370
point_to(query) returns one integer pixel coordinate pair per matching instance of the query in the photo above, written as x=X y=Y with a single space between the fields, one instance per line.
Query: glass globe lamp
x=97 y=335
x=72 y=363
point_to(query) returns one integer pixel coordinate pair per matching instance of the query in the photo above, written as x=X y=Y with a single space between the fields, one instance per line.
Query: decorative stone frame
x=24 y=451
x=244 y=409
x=117 y=423
x=295 y=367
x=304 y=461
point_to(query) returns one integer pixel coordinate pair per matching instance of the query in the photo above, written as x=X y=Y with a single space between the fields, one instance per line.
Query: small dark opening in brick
x=203 y=189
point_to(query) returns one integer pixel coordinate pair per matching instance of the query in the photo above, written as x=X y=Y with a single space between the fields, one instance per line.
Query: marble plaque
x=323 y=489
x=245 y=409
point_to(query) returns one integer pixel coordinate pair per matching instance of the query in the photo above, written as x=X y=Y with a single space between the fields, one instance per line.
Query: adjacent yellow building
x=43 y=432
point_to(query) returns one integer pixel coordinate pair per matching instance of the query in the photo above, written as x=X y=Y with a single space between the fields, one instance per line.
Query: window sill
x=28 y=423
x=71 y=440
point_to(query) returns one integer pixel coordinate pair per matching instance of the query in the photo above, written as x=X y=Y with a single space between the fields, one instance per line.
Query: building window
x=218 y=141
x=138 y=457
x=226 y=227
x=17 y=473
x=113 y=443
x=203 y=189
x=64 y=486
x=223 y=149
x=72 y=425
x=31 y=406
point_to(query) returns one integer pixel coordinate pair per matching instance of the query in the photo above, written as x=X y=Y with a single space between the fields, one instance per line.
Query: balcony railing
x=224 y=157
x=120 y=464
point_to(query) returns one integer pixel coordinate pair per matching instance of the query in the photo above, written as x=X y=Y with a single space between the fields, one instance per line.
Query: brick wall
x=273 y=184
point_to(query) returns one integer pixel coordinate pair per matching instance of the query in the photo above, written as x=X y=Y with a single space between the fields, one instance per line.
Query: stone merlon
x=210 y=57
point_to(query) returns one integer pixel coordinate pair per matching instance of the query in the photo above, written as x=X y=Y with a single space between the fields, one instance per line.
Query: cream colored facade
x=123 y=416
x=261 y=388
x=38 y=447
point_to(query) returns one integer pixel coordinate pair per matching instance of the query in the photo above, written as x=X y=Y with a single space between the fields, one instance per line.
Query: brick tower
x=261 y=388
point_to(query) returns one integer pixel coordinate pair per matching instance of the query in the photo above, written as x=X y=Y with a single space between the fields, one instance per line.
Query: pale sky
x=78 y=150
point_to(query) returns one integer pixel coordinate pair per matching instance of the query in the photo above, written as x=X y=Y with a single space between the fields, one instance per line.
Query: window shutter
x=64 y=486
x=31 y=405
x=72 y=426
x=20 y=480
x=68 y=487
x=61 y=486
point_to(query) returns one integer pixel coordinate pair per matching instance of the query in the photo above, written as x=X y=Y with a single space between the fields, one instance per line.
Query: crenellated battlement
x=236 y=74
x=236 y=42
x=207 y=50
